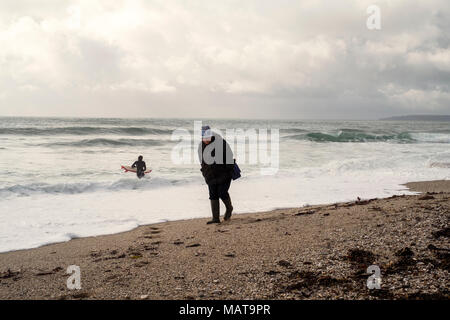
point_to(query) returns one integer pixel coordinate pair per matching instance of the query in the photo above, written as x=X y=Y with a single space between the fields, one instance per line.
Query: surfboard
x=130 y=169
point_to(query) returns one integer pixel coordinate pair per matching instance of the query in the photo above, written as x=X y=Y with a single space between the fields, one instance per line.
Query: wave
x=86 y=187
x=80 y=131
x=440 y=165
x=104 y=142
x=432 y=137
x=293 y=130
x=350 y=135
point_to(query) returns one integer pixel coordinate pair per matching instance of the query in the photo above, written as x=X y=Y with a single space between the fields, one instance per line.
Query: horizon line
x=210 y=118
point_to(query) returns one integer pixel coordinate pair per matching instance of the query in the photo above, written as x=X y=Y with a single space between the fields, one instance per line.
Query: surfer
x=140 y=167
x=217 y=163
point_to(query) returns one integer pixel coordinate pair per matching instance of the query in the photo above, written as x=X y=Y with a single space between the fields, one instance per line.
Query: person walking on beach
x=216 y=159
x=140 y=167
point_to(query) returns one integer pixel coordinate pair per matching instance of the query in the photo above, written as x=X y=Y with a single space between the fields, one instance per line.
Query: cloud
x=233 y=58
x=439 y=59
x=416 y=99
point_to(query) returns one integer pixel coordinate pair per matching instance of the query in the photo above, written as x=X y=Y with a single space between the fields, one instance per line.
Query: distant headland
x=424 y=117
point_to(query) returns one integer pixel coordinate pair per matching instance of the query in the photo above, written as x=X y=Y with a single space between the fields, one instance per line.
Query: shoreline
x=411 y=186
x=277 y=254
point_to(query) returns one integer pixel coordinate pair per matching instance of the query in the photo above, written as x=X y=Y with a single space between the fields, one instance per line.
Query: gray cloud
x=284 y=59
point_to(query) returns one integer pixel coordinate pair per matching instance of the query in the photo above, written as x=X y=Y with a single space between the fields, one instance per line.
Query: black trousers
x=217 y=191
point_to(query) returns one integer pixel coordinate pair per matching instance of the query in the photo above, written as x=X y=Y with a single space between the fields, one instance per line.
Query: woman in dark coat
x=216 y=158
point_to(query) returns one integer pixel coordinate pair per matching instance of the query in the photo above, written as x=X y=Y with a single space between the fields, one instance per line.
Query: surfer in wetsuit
x=140 y=167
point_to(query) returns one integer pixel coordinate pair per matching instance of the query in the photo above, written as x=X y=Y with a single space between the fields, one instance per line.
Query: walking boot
x=215 y=209
x=229 y=209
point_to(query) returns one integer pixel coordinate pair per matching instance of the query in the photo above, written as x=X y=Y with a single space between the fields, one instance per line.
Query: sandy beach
x=316 y=252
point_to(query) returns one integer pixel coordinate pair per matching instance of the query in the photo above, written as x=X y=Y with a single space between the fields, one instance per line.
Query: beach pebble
x=284 y=263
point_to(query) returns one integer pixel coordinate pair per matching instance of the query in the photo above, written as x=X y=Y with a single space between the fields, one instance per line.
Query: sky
x=224 y=59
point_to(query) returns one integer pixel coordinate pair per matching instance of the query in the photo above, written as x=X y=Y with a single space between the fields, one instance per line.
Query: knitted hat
x=206 y=132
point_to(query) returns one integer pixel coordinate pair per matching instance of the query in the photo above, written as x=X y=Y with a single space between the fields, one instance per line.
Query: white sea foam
x=432 y=137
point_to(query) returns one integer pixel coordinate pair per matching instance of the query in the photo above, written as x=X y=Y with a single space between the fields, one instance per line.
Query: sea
x=61 y=178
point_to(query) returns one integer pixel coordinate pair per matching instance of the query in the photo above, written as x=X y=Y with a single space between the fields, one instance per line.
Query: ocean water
x=61 y=178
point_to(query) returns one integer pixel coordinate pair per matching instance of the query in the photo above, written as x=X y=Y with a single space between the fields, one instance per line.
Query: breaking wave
x=105 y=142
x=80 y=131
x=76 y=188
x=353 y=136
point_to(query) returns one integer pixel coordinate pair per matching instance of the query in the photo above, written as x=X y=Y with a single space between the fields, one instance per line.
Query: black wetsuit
x=140 y=168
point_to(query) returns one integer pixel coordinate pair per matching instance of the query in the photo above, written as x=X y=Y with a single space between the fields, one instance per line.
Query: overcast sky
x=233 y=59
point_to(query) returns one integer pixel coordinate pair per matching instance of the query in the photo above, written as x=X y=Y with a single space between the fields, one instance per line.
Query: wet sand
x=318 y=252
x=430 y=186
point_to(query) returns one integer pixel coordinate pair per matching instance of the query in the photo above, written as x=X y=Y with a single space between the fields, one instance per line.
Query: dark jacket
x=219 y=170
